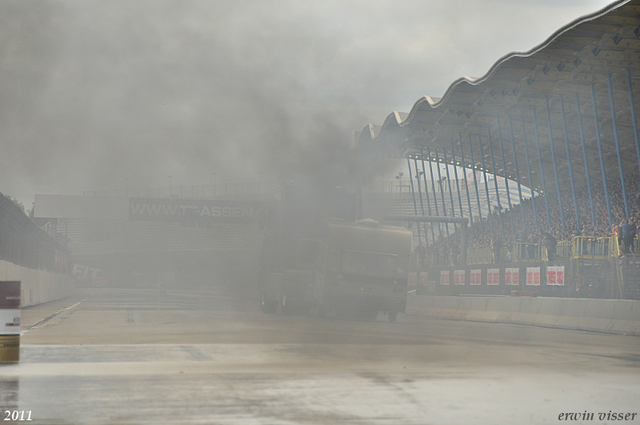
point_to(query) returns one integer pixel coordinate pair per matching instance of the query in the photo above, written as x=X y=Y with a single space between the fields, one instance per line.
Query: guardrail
x=523 y=252
x=580 y=247
x=563 y=249
x=480 y=256
x=594 y=247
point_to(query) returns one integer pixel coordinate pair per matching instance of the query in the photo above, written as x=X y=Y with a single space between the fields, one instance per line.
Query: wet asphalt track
x=187 y=357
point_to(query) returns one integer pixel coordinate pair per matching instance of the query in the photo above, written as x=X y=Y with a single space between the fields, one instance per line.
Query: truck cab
x=367 y=268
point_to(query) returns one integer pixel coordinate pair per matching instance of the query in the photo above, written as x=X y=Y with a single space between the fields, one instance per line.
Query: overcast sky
x=101 y=95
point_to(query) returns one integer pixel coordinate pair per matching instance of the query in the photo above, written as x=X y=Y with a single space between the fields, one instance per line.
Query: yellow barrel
x=9 y=348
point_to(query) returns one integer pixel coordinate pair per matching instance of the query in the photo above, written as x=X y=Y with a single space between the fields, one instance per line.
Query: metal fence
x=581 y=247
x=23 y=243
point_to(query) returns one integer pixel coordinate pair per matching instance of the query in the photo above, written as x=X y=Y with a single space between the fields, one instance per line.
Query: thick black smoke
x=108 y=95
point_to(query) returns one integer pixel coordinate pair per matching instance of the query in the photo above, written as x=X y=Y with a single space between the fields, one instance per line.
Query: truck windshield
x=368 y=264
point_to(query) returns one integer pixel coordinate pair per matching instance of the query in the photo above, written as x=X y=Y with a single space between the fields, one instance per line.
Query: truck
x=320 y=263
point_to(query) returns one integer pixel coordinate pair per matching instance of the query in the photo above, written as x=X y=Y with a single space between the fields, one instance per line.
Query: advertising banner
x=195 y=210
x=512 y=276
x=444 y=277
x=533 y=276
x=475 y=277
x=560 y=275
x=555 y=275
x=493 y=276
x=551 y=275
x=10 y=321
x=458 y=277
x=10 y=308
x=423 y=278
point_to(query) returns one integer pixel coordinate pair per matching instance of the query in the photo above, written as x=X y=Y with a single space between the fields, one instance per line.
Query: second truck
x=317 y=257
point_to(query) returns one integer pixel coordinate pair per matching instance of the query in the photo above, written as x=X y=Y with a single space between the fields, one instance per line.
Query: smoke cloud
x=104 y=95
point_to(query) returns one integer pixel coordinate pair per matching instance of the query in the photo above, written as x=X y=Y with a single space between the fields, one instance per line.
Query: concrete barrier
x=611 y=316
x=493 y=309
x=477 y=309
x=37 y=286
x=624 y=316
x=549 y=309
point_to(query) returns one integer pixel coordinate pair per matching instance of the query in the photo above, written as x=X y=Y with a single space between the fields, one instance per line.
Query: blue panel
x=586 y=163
x=566 y=142
x=495 y=182
x=506 y=177
x=415 y=207
x=486 y=184
x=515 y=164
x=604 y=176
x=615 y=136
x=475 y=184
x=526 y=157
x=553 y=159
x=544 y=185
x=633 y=118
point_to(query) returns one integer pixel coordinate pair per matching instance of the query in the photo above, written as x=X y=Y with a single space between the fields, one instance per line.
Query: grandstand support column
x=615 y=137
x=506 y=176
x=526 y=157
x=475 y=184
x=466 y=183
x=495 y=181
x=486 y=183
x=444 y=207
x=415 y=162
x=413 y=193
x=604 y=176
x=435 y=197
x=586 y=163
x=544 y=184
x=566 y=142
x=553 y=160
x=446 y=163
x=426 y=191
x=633 y=117
x=455 y=173
x=515 y=164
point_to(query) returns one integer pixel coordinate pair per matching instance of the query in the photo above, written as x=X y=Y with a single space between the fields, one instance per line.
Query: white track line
x=43 y=321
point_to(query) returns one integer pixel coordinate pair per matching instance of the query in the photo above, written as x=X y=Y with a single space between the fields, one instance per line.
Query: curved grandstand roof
x=548 y=96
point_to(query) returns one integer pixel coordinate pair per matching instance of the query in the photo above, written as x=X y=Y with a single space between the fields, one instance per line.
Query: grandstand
x=559 y=122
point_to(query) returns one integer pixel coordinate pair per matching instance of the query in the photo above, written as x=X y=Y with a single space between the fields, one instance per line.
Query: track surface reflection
x=185 y=357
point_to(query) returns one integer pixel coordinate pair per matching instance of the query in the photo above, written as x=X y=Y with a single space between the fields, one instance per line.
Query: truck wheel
x=392 y=316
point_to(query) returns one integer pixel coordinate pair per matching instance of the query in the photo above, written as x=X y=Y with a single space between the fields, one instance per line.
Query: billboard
x=475 y=277
x=555 y=275
x=512 y=276
x=533 y=276
x=493 y=276
x=195 y=210
x=10 y=308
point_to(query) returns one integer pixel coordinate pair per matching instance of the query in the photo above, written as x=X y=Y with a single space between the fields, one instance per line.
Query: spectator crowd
x=504 y=227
